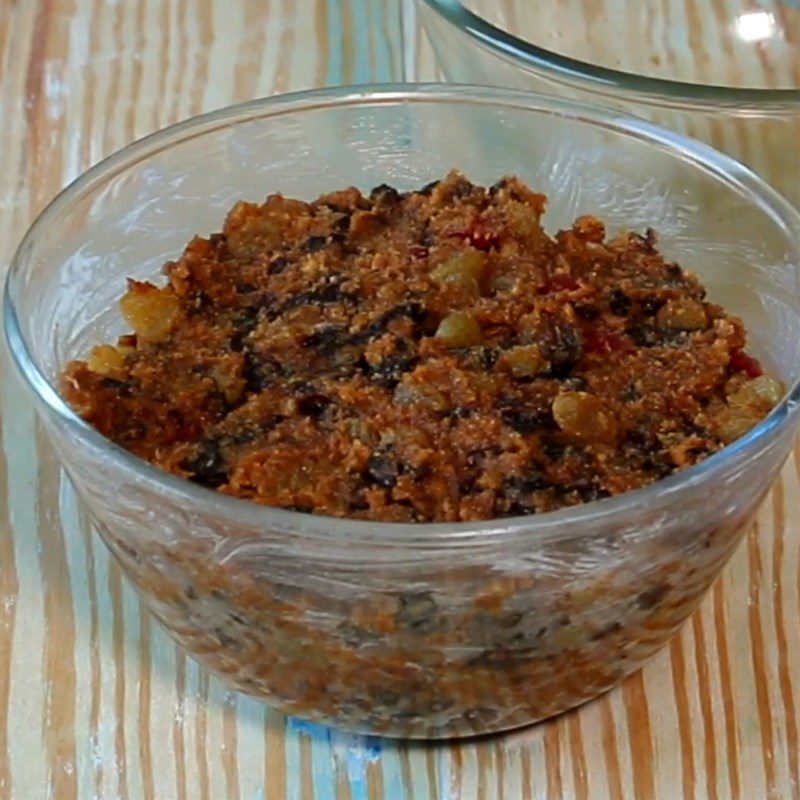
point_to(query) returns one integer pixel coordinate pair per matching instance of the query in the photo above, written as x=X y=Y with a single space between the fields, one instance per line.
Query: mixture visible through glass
x=421 y=356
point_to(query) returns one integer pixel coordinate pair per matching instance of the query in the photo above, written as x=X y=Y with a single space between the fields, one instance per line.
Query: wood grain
x=95 y=702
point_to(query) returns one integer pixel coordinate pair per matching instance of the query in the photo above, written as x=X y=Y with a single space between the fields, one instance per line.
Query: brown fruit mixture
x=421 y=356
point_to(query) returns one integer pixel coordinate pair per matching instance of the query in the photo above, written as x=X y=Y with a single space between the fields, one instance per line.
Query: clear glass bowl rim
x=545 y=527
x=638 y=88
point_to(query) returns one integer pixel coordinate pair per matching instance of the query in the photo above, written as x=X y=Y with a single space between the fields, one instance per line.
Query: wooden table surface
x=96 y=702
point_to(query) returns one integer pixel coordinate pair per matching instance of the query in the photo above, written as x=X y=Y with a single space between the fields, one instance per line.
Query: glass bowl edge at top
x=663 y=92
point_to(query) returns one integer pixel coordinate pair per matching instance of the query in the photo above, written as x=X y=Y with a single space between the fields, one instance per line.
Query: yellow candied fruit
x=749 y=404
x=524 y=361
x=763 y=391
x=465 y=269
x=585 y=417
x=683 y=314
x=150 y=311
x=459 y=330
x=106 y=359
x=733 y=423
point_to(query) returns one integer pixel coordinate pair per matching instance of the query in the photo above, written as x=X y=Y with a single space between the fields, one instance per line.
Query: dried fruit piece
x=559 y=340
x=762 y=393
x=683 y=314
x=150 y=311
x=749 y=404
x=465 y=269
x=733 y=423
x=106 y=359
x=525 y=361
x=585 y=417
x=459 y=330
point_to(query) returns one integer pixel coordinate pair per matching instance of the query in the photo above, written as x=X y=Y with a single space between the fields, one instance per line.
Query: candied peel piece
x=105 y=359
x=151 y=311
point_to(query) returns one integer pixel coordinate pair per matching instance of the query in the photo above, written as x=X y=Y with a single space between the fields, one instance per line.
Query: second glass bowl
x=726 y=73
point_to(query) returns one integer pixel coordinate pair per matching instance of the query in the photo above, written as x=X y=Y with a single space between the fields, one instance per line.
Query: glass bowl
x=727 y=73
x=414 y=630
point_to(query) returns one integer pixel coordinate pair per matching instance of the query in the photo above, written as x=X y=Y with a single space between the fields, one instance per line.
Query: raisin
x=630 y=394
x=385 y=194
x=314 y=244
x=246 y=435
x=342 y=224
x=244 y=325
x=651 y=305
x=324 y=294
x=587 y=312
x=122 y=388
x=259 y=371
x=463 y=188
x=428 y=188
x=559 y=341
x=390 y=371
x=516 y=492
x=554 y=450
x=643 y=438
x=527 y=420
x=485 y=357
x=277 y=265
x=414 y=310
x=207 y=466
x=313 y=405
x=428 y=238
x=649 y=336
x=530 y=481
x=591 y=493
x=619 y=302
x=382 y=469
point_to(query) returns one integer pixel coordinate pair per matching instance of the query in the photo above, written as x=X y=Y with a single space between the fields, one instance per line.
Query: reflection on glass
x=755 y=26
